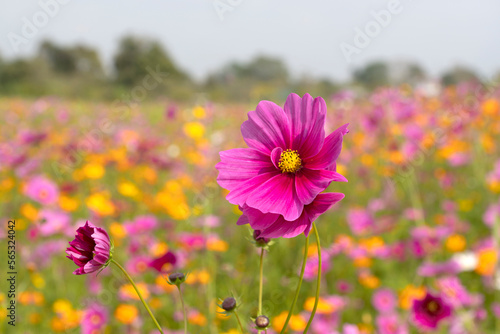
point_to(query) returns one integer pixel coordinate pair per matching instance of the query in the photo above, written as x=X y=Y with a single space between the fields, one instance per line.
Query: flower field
x=411 y=248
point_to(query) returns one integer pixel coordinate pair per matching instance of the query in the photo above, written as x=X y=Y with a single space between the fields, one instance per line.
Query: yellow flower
x=29 y=211
x=494 y=186
x=162 y=283
x=409 y=294
x=232 y=330
x=199 y=112
x=7 y=184
x=62 y=306
x=93 y=171
x=363 y=262
x=487 y=260
x=297 y=322
x=57 y=325
x=38 y=280
x=341 y=169
x=117 y=230
x=369 y=281
x=194 y=130
x=173 y=201
x=217 y=245
x=128 y=189
x=203 y=277
x=490 y=107
x=100 y=203
x=126 y=314
x=68 y=204
x=312 y=250
x=455 y=243
x=159 y=249
x=128 y=291
x=323 y=306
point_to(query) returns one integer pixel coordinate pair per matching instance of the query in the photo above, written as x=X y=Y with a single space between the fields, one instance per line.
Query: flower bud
x=262 y=322
x=229 y=304
x=176 y=278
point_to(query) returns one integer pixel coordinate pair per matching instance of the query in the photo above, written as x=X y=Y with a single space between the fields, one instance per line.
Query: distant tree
x=76 y=60
x=135 y=56
x=61 y=60
x=373 y=75
x=457 y=75
x=406 y=73
x=261 y=77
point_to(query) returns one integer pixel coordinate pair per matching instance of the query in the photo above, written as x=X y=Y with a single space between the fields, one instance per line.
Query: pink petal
x=322 y=203
x=309 y=183
x=267 y=127
x=330 y=150
x=286 y=229
x=257 y=219
x=307 y=123
x=240 y=194
x=240 y=165
x=277 y=195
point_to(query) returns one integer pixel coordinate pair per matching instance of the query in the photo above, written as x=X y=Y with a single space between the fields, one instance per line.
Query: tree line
x=77 y=72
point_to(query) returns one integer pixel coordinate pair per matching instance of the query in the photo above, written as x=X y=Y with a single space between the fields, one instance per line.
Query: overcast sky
x=307 y=34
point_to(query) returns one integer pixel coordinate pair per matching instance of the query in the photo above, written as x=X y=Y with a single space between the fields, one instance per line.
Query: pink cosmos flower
x=360 y=221
x=273 y=225
x=384 y=300
x=90 y=250
x=288 y=163
x=53 y=222
x=94 y=319
x=453 y=291
x=430 y=311
x=389 y=324
x=42 y=190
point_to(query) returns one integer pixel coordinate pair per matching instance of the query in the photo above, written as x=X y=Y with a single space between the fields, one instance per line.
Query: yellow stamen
x=290 y=161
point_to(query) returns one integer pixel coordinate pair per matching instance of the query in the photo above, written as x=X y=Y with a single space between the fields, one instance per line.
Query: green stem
x=239 y=321
x=139 y=294
x=183 y=310
x=318 y=283
x=298 y=286
x=496 y=245
x=261 y=283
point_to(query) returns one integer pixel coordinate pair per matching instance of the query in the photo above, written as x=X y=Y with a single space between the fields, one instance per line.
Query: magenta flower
x=430 y=311
x=42 y=190
x=289 y=161
x=91 y=249
x=273 y=225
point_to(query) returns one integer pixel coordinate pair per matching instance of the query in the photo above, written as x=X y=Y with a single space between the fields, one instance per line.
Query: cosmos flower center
x=432 y=307
x=290 y=161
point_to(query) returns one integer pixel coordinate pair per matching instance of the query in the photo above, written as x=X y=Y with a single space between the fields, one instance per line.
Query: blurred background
x=241 y=50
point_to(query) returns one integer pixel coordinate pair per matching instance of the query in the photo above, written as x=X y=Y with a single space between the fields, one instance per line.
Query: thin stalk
x=298 y=286
x=261 y=280
x=183 y=310
x=496 y=245
x=239 y=321
x=139 y=294
x=318 y=282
